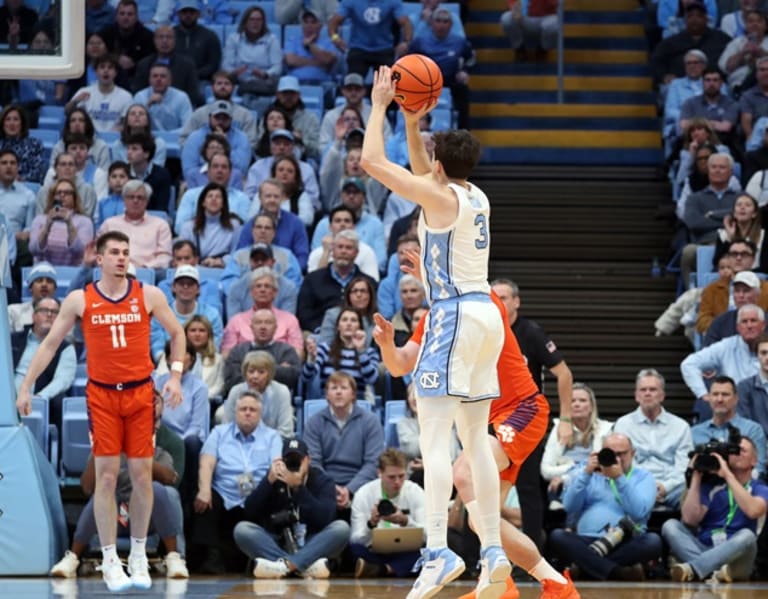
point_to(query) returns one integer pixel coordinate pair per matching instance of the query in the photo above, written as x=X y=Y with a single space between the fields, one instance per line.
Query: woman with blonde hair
x=60 y=234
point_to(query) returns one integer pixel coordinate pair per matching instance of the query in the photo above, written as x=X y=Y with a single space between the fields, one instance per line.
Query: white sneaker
x=723 y=574
x=317 y=569
x=66 y=566
x=138 y=568
x=175 y=566
x=494 y=569
x=438 y=568
x=115 y=577
x=265 y=568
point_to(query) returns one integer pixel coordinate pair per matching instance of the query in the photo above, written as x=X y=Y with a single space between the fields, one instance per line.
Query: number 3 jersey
x=455 y=259
x=116 y=334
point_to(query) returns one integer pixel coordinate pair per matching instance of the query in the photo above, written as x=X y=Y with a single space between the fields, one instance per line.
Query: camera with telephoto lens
x=386 y=507
x=613 y=536
x=282 y=523
x=607 y=457
x=707 y=463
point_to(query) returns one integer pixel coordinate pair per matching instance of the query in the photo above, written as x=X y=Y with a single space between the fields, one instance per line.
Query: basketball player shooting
x=455 y=375
x=115 y=314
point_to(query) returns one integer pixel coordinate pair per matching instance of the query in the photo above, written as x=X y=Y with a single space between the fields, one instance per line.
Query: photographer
x=291 y=525
x=613 y=499
x=391 y=500
x=717 y=531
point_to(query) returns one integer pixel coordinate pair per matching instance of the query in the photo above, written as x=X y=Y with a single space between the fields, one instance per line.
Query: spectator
x=225 y=481
x=258 y=373
x=733 y=356
x=618 y=495
x=212 y=145
x=264 y=287
x=292 y=485
x=76 y=145
x=699 y=134
x=744 y=222
x=306 y=125
x=723 y=399
x=746 y=290
x=140 y=151
x=197 y=42
x=281 y=143
x=724 y=518
x=58 y=377
x=310 y=56
x=753 y=395
x=683 y=88
x=345 y=440
x=532 y=27
x=561 y=462
x=358 y=295
x=208 y=364
x=14 y=136
x=60 y=234
x=65 y=167
x=696 y=177
x=138 y=121
x=342 y=218
x=169 y=106
x=185 y=305
x=34 y=93
x=368 y=226
x=721 y=112
x=17 y=23
x=755 y=161
x=150 y=235
x=349 y=129
x=290 y=232
x=42 y=283
x=183 y=252
x=667 y=59
x=253 y=55
x=129 y=39
x=17 y=202
x=182 y=70
x=407 y=499
x=322 y=289
x=371 y=41
x=98 y=15
x=287 y=363
x=79 y=121
x=289 y=11
x=104 y=101
x=738 y=59
x=215 y=229
x=239 y=297
x=389 y=298
x=95 y=47
x=219 y=121
x=287 y=170
x=350 y=352
x=222 y=87
x=734 y=23
x=754 y=101
x=661 y=439
x=274 y=118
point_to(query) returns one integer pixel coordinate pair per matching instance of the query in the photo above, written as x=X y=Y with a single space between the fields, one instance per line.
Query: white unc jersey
x=455 y=259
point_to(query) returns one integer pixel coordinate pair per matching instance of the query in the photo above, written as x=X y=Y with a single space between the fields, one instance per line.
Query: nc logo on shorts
x=505 y=433
x=372 y=15
x=429 y=380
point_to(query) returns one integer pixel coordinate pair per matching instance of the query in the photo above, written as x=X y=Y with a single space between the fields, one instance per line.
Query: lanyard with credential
x=733 y=506
x=246 y=458
x=615 y=490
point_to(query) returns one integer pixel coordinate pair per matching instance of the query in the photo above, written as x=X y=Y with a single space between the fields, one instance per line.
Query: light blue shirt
x=371 y=22
x=704 y=431
x=63 y=377
x=169 y=115
x=679 y=91
x=236 y=454
x=265 y=53
x=238 y=141
x=370 y=230
x=159 y=337
x=209 y=292
x=239 y=298
x=593 y=497
x=190 y=417
x=237 y=264
x=295 y=45
x=661 y=445
x=214 y=239
x=239 y=204
x=17 y=203
x=261 y=170
x=730 y=357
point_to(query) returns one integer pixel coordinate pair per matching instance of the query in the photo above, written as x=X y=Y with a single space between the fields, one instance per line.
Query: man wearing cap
x=185 y=305
x=353 y=90
x=168 y=106
x=183 y=70
x=219 y=171
x=371 y=41
x=183 y=252
x=734 y=356
x=219 y=121
x=59 y=375
x=42 y=283
x=264 y=288
x=746 y=290
x=311 y=57
x=239 y=293
x=263 y=229
x=306 y=125
x=222 y=87
x=343 y=218
x=368 y=226
x=292 y=486
x=281 y=143
x=198 y=43
x=287 y=12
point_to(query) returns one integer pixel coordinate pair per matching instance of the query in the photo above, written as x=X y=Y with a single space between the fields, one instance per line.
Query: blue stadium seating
x=173 y=148
x=81 y=380
x=704 y=256
x=145 y=275
x=51 y=117
x=394 y=410
x=75 y=440
x=413 y=10
x=64 y=276
x=45 y=433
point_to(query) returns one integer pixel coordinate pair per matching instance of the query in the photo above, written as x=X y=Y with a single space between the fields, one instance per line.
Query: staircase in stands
x=609 y=112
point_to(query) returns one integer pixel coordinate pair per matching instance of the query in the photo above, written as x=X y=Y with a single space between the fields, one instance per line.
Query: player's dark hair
x=119 y=236
x=180 y=243
x=145 y=140
x=458 y=152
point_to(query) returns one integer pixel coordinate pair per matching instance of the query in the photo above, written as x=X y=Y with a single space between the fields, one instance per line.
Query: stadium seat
x=108 y=137
x=81 y=380
x=219 y=30
x=704 y=256
x=75 y=439
x=173 y=148
x=394 y=410
x=51 y=117
x=48 y=137
x=64 y=276
x=45 y=433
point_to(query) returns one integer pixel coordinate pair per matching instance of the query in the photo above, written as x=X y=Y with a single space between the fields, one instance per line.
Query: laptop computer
x=397 y=540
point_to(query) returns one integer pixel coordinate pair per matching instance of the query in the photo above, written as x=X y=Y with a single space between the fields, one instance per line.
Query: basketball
x=418 y=81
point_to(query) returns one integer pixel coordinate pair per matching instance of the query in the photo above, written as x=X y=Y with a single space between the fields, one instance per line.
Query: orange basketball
x=418 y=81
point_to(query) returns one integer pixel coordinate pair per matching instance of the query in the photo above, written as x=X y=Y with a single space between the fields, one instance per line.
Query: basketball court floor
x=345 y=588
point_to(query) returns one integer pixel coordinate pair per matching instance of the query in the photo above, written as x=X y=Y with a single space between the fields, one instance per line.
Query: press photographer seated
x=612 y=499
x=716 y=534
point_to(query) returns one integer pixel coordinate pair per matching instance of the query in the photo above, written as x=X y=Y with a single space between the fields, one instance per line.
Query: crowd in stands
x=213 y=135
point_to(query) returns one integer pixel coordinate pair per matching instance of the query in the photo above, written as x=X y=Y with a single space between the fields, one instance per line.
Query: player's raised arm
x=398 y=360
x=419 y=158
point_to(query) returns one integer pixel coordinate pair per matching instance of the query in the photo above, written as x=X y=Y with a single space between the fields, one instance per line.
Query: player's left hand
x=172 y=392
x=383 y=90
x=412 y=264
x=564 y=433
x=416 y=115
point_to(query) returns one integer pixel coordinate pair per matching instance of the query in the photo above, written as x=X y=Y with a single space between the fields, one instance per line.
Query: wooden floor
x=223 y=588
